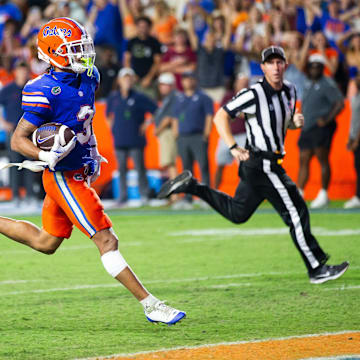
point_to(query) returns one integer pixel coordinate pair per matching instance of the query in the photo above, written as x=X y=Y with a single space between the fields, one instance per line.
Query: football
x=43 y=136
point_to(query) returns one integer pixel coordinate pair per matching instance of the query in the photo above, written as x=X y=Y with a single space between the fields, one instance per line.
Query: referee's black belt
x=269 y=155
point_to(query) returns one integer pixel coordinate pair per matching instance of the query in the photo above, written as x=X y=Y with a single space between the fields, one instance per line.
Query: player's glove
x=93 y=166
x=57 y=152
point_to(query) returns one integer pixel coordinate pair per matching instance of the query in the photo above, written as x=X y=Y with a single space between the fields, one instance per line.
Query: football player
x=65 y=94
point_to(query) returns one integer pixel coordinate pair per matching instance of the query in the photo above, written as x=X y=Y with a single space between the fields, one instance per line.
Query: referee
x=269 y=108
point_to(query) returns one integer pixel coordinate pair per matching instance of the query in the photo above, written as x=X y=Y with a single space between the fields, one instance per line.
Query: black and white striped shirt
x=268 y=114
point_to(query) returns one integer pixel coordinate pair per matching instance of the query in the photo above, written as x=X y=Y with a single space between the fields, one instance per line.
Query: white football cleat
x=159 y=312
x=353 y=203
x=320 y=201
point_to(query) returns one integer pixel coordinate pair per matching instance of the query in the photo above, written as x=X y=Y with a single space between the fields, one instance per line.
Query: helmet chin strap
x=88 y=62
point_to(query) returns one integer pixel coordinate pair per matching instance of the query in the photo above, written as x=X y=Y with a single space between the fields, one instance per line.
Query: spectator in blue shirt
x=200 y=10
x=8 y=11
x=193 y=112
x=332 y=26
x=10 y=99
x=126 y=110
x=104 y=15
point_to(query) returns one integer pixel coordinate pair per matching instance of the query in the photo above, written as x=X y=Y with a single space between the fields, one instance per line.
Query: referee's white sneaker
x=328 y=272
x=159 y=312
x=321 y=200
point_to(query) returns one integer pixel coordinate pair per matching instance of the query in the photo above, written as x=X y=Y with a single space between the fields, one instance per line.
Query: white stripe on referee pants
x=73 y=204
x=294 y=215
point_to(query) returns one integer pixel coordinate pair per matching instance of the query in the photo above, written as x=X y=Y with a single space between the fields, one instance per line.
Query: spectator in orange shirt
x=240 y=11
x=322 y=47
x=130 y=11
x=164 y=23
x=6 y=73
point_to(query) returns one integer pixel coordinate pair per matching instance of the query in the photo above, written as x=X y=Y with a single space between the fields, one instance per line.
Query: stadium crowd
x=183 y=56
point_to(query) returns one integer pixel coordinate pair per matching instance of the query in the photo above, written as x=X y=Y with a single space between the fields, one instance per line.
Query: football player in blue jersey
x=65 y=94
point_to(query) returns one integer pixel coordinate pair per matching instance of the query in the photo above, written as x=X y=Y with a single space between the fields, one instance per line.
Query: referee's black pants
x=264 y=179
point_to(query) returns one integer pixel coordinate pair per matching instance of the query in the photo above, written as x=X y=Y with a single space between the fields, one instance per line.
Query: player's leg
x=107 y=243
x=283 y=194
x=83 y=208
x=26 y=233
x=115 y=264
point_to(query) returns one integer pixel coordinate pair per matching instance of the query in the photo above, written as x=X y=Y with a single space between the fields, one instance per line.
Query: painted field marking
x=289 y=348
x=223 y=233
x=62 y=248
x=320 y=231
x=342 y=357
x=10 y=282
x=171 y=281
x=225 y=286
x=343 y=287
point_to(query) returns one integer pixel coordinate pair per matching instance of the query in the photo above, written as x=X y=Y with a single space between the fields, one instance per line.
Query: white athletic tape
x=113 y=262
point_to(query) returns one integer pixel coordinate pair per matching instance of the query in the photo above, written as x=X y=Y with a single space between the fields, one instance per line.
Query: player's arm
x=20 y=141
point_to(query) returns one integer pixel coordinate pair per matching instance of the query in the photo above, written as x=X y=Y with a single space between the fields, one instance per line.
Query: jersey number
x=86 y=115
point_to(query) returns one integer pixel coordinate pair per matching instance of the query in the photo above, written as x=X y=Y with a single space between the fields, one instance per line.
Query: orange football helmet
x=64 y=43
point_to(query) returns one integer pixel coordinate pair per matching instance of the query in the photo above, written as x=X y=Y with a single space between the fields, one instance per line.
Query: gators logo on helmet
x=64 y=43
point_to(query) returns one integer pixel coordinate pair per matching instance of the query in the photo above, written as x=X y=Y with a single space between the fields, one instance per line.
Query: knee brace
x=113 y=262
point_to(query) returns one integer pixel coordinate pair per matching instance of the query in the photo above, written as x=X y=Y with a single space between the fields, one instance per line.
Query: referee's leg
x=283 y=194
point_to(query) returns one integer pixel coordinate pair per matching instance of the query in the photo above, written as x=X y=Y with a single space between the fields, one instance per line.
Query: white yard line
x=262 y=231
x=28 y=250
x=204 y=235
x=169 y=281
x=342 y=357
x=115 y=284
x=218 y=344
x=225 y=286
x=10 y=282
x=343 y=287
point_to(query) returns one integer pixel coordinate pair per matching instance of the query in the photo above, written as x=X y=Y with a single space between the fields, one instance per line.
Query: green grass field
x=235 y=283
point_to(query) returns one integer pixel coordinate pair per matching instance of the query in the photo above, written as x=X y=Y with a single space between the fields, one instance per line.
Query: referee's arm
x=222 y=124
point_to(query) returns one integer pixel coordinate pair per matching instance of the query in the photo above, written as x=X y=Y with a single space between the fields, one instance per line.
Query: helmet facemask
x=80 y=53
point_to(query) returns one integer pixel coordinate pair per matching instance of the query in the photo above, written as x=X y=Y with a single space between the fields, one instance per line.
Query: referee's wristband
x=233 y=146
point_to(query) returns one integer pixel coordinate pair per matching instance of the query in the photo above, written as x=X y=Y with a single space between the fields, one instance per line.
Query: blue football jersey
x=68 y=99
